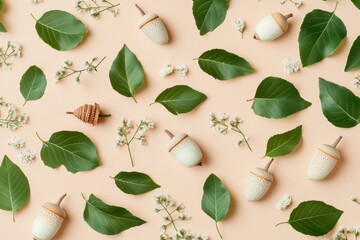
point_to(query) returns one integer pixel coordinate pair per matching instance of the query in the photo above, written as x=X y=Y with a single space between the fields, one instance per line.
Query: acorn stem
x=104 y=115
x=140 y=10
x=60 y=199
x=267 y=166
x=288 y=16
x=250 y=100
x=169 y=133
x=336 y=142
x=69 y=112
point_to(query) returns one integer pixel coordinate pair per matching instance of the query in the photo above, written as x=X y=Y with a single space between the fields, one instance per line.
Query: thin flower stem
x=217 y=229
x=171 y=218
x=246 y=141
x=137 y=130
x=107 y=8
x=129 y=150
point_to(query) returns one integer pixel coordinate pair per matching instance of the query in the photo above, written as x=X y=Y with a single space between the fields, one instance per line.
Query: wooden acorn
x=272 y=26
x=324 y=160
x=89 y=113
x=184 y=149
x=49 y=220
x=259 y=182
x=153 y=27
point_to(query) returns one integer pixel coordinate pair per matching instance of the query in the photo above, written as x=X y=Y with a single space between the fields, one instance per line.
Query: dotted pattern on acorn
x=180 y=145
x=321 y=165
x=49 y=217
x=156 y=30
x=257 y=187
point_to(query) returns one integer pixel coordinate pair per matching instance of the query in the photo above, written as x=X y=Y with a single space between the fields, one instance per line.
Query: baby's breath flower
x=182 y=69
x=26 y=156
x=96 y=7
x=297 y=3
x=284 y=202
x=240 y=25
x=35 y=1
x=356 y=81
x=291 y=66
x=13 y=120
x=12 y=49
x=166 y=70
x=16 y=143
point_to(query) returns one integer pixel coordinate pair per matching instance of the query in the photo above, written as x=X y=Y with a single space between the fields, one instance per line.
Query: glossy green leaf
x=224 y=65
x=14 y=187
x=340 y=106
x=33 y=84
x=284 y=143
x=353 y=61
x=216 y=199
x=61 y=30
x=321 y=34
x=356 y=3
x=180 y=99
x=314 y=218
x=126 y=73
x=134 y=182
x=277 y=98
x=1 y=5
x=108 y=219
x=74 y=150
x=2 y=28
x=209 y=14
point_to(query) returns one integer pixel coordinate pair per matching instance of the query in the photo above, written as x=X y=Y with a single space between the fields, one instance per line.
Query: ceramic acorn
x=259 y=182
x=89 y=113
x=272 y=27
x=324 y=161
x=184 y=149
x=49 y=220
x=153 y=27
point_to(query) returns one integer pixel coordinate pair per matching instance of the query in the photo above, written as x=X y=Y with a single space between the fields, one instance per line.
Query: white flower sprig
x=356 y=81
x=16 y=143
x=297 y=3
x=66 y=69
x=174 y=213
x=291 y=65
x=284 y=202
x=355 y=200
x=25 y=156
x=124 y=131
x=96 y=7
x=13 y=120
x=12 y=49
x=35 y=1
x=168 y=69
x=223 y=124
x=240 y=25
x=345 y=233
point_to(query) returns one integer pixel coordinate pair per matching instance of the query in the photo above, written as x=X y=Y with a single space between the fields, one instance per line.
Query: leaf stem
x=280 y=223
x=83 y=196
x=217 y=229
x=37 y=134
x=33 y=16
x=250 y=100
x=336 y=5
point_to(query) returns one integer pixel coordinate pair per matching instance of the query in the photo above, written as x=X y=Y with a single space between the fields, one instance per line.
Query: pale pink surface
x=246 y=220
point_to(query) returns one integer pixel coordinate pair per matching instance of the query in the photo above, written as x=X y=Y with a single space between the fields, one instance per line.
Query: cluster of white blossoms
x=356 y=81
x=291 y=65
x=16 y=143
x=345 y=233
x=240 y=25
x=96 y=7
x=284 y=202
x=13 y=120
x=171 y=209
x=140 y=133
x=24 y=155
x=297 y=3
x=35 y=1
x=168 y=69
x=12 y=49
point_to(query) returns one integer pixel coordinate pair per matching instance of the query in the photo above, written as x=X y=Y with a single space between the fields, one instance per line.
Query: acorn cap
x=262 y=173
x=55 y=207
x=331 y=150
x=148 y=17
x=175 y=140
x=281 y=20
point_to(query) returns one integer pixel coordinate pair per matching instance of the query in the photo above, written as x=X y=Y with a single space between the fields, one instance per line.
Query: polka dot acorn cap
x=55 y=207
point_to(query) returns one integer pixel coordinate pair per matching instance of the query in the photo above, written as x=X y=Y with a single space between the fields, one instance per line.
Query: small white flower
x=240 y=25
x=26 y=156
x=356 y=81
x=182 y=69
x=291 y=66
x=35 y=1
x=298 y=3
x=166 y=70
x=16 y=143
x=284 y=202
x=353 y=198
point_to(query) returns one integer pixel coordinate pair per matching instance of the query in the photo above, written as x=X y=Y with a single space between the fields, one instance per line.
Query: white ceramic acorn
x=324 y=160
x=272 y=27
x=153 y=27
x=184 y=149
x=259 y=182
x=49 y=220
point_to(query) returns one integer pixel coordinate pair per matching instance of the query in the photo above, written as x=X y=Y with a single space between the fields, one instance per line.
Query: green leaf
x=284 y=143
x=107 y=219
x=215 y=200
x=126 y=73
x=61 y=30
x=14 y=187
x=340 y=106
x=74 y=150
x=277 y=98
x=1 y=5
x=356 y=3
x=224 y=65
x=2 y=28
x=180 y=99
x=321 y=34
x=134 y=182
x=209 y=14
x=314 y=218
x=33 y=84
x=353 y=61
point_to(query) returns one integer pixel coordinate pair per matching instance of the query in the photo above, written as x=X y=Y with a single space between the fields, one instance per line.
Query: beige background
x=246 y=220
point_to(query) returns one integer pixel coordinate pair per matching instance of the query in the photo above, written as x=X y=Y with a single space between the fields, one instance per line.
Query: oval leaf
x=180 y=99
x=33 y=84
x=61 y=30
x=224 y=65
x=356 y=3
x=314 y=218
x=134 y=182
x=216 y=198
x=353 y=61
x=277 y=98
x=14 y=186
x=340 y=106
x=74 y=150
x=209 y=14
x=321 y=34
x=284 y=143
x=126 y=73
x=2 y=28
x=107 y=219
